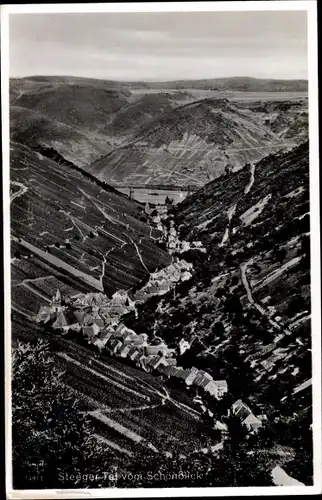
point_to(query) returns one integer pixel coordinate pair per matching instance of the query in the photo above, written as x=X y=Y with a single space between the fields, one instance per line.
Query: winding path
x=251 y=180
x=243 y=271
x=22 y=190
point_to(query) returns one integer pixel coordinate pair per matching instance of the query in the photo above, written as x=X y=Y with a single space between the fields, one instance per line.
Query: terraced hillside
x=141 y=111
x=192 y=143
x=248 y=304
x=67 y=114
x=288 y=119
x=71 y=233
x=138 y=133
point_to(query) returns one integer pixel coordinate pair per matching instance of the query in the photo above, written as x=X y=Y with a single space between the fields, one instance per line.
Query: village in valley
x=97 y=320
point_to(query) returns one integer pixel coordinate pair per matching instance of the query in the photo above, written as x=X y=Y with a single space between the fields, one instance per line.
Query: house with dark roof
x=160 y=348
x=90 y=332
x=202 y=378
x=156 y=361
x=115 y=345
x=80 y=316
x=134 y=353
x=65 y=320
x=252 y=423
x=99 y=322
x=122 y=331
x=240 y=409
x=100 y=343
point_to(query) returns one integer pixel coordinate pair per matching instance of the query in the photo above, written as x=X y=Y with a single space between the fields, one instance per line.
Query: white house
x=184 y=345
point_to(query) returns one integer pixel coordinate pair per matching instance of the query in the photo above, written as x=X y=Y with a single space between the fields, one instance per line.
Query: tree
x=296 y=305
x=281 y=255
x=218 y=329
x=175 y=469
x=52 y=438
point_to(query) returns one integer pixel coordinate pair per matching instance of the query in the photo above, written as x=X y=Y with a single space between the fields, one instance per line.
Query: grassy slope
x=66 y=114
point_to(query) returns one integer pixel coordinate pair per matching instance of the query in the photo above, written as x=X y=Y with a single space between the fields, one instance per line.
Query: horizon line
x=160 y=80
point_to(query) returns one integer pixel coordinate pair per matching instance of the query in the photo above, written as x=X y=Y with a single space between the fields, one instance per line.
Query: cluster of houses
x=174 y=245
x=89 y=313
x=97 y=319
x=160 y=282
x=170 y=236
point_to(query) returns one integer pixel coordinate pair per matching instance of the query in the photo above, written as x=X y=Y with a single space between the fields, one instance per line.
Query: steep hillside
x=79 y=105
x=129 y=119
x=33 y=128
x=139 y=134
x=214 y=120
x=288 y=119
x=72 y=233
x=255 y=227
x=69 y=115
x=192 y=144
x=247 y=307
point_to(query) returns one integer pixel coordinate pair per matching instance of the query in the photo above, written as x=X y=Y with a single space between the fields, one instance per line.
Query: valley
x=195 y=202
x=136 y=134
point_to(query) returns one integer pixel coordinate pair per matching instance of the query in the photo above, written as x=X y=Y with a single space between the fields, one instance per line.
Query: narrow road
x=132 y=408
x=60 y=264
x=138 y=252
x=22 y=190
x=21 y=93
x=230 y=213
x=251 y=180
x=107 y=217
x=33 y=280
x=243 y=271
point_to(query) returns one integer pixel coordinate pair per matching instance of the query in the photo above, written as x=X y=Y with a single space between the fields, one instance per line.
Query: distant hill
x=151 y=133
x=241 y=83
x=66 y=114
x=83 y=106
x=192 y=143
x=235 y=83
x=34 y=128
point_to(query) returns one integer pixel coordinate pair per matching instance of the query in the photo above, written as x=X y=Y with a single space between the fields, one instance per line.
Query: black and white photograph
x=161 y=201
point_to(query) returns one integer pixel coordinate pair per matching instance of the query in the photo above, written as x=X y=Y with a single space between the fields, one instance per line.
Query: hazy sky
x=160 y=46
